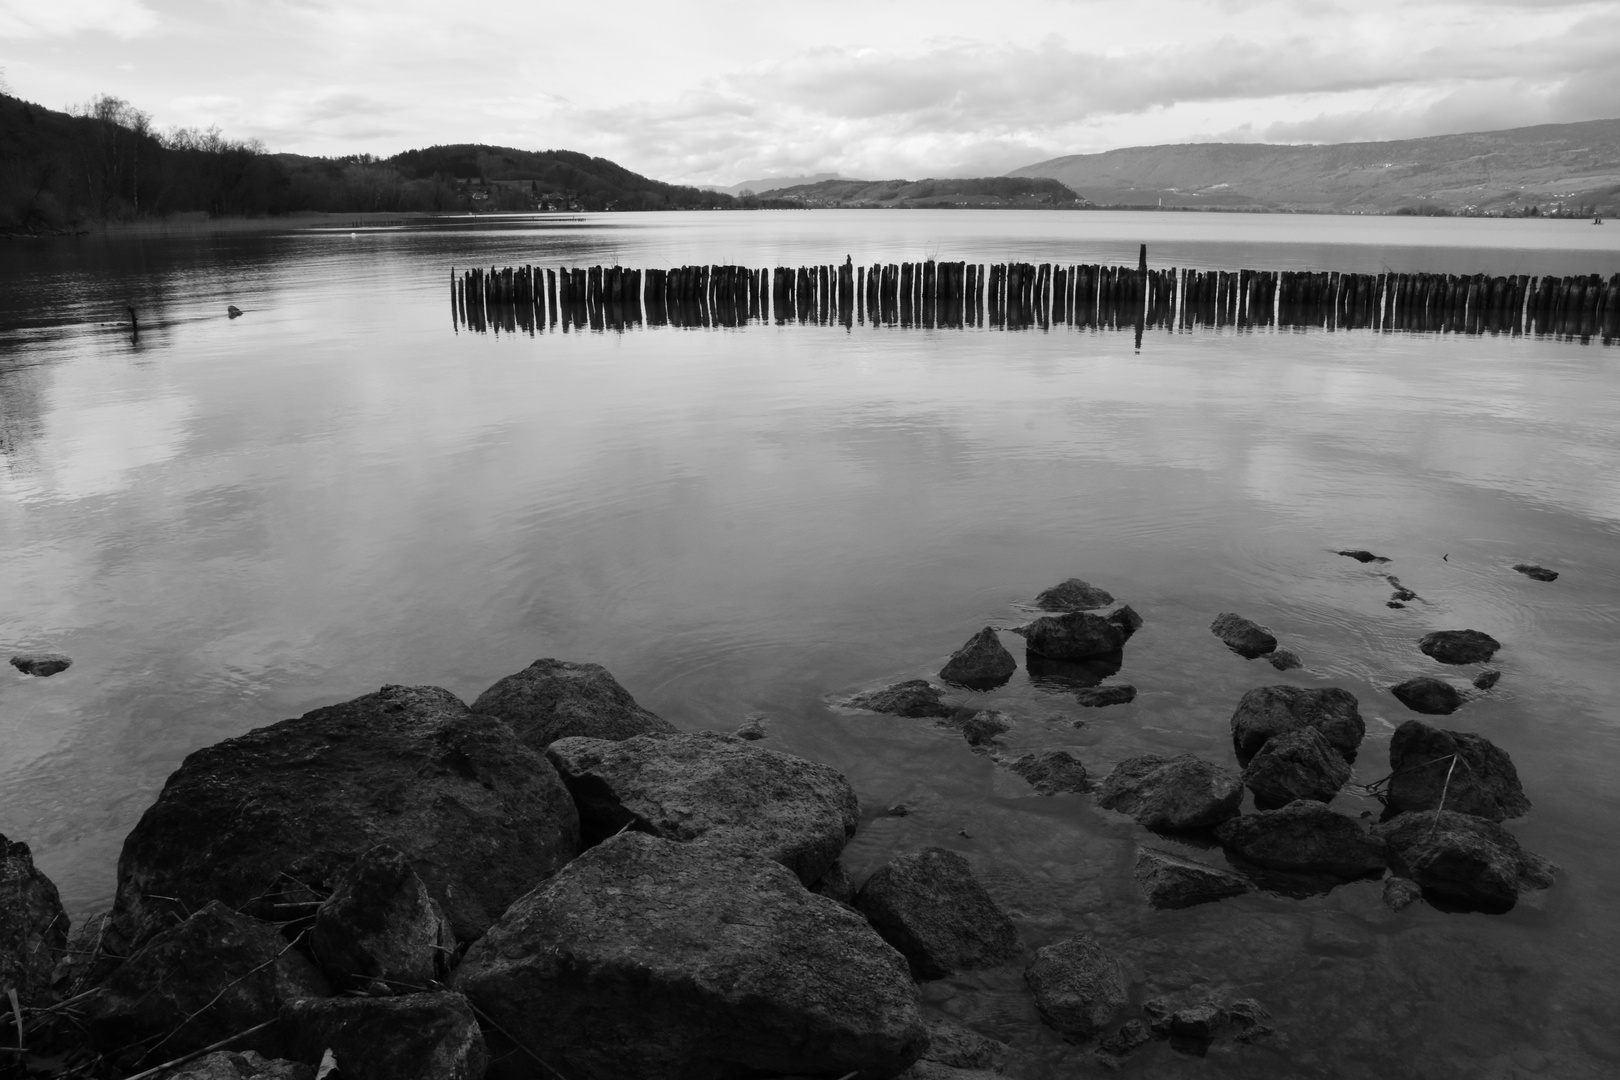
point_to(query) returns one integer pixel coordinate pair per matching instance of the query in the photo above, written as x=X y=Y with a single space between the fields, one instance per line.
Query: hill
x=1552 y=167
x=992 y=191
x=556 y=176
x=773 y=184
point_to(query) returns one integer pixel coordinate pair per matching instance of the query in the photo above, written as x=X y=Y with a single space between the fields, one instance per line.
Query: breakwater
x=1025 y=296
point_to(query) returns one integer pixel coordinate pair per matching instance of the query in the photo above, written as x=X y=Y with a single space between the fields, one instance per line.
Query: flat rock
x=212 y=976
x=1171 y=882
x=1246 y=638
x=33 y=925
x=734 y=968
x=1078 y=987
x=1539 y=573
x=1172 y=793
x=558 y=699
x=713 y=790
x=42 y=664
x=982 y=727
x=928 y=905
x=1266 y=711
x=1459 y=646
x=982 y=664
x=1462 y=860
x=1052 y=772
x=1426 y=694
x=1487 y=679
x=1304 y=837
x=1098 y=697
x=1298 y=764
x=428 y=1036
x=1077 y=635
x=274 y=816
x=1073 y=595
x=1482 y=781
x=380 y=930
x=914 y=698
x=230 y=1065
x=1363 y=556
x=1285 y=660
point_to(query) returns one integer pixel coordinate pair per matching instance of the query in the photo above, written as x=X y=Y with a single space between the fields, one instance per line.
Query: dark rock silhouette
x=425 y=1036
x=1304 y=837
x=557 y=699
x=735 y=967
x=1487 y=679
x=1285 y=660
x=712 y=790
x=1073 y=595
x=380 y=929
x=1472 y=774
x=1459 y=646
x=928 y=905
x=1539 y=573
x=1462 y=860
x=1246 y=638
x=33 y=925
x=42 y=664
x=1267 y=711
x=1126 y=618
x=1170 y=882
x=1298 y=764
x=981 y=664
x=1174 y=793
x=1078 y=635
x=1426 y=694
x=1078 y=986
x=1363 y=556
x=913 y=698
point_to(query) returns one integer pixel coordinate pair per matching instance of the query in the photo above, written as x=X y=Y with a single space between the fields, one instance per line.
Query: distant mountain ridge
x=1574 y=166
x=766 y=186
x=989 y=191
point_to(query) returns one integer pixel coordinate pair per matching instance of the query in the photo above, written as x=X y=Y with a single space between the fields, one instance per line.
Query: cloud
x=33 y=19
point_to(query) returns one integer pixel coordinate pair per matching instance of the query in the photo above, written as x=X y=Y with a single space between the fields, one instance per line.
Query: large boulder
x=913 y=698
x=1073 y=595
x=663 y=961
x=982 y=664
x=1275 y=710
x=1299 y=764
x=428 y=1036
x=1462 y=860
x=1434 y=769
x=381 y=926
x=1077 y=635
x=715 y=790
x=1078 y=987
x=271 y=818
x=929 y=905
x=1170 y=882
x=1172 y=793
x=1243 y=636
x=1429 y=695
x=33 y=926
x=556 y=699
x=1052 y=772
x=213 y=976
x=1459 y=646
x=42 y=664
x=1304 y=837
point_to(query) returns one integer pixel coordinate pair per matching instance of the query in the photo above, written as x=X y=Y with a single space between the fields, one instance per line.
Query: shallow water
x=230 y=522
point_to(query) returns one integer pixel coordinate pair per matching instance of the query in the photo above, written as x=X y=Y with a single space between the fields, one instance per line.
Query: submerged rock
x=1426 y=694
x=380 y=925
x=1487 y=679
x=1113 y=1050
x=1071 y=674
x=1539 y=573
x=33 y=925
x=951 y=1044
x=929 y=905
x=230 y=1065
x=1172 y=882
x=1073 y=595
x=556 y=699
x=1078 y=987
x=913 y=698
x=1298 y=764
x=1285 y=660
x=1098 y=697
x=42 y=664
x=1052 y=772
x=1304 y=837
x=981 y=664
x=1459 y=646
x=213 y=976
x=427 y=1036
x=1172 y=793
x=1078 y=635
x=1246 y=638
x=1266 y=711
x=1401 y=893
x=712 y=790
x=1462 y=859
x=276 y=815
x=1363 y=556
x=734 y=967
x=982 y=727
x=1471 y=773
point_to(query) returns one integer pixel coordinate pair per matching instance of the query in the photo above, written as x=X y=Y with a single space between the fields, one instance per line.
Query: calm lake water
x=231 y=522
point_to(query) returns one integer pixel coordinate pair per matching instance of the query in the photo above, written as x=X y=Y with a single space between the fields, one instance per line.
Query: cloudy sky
x=723 y=91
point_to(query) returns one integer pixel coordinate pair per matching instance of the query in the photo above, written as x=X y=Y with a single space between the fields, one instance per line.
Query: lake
x=228 y=522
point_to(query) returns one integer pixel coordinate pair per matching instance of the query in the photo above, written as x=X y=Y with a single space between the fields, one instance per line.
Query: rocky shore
x=556 y=882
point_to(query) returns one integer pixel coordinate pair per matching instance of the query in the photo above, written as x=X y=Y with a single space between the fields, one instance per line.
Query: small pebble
x=899 y=809
x=1487 y=679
